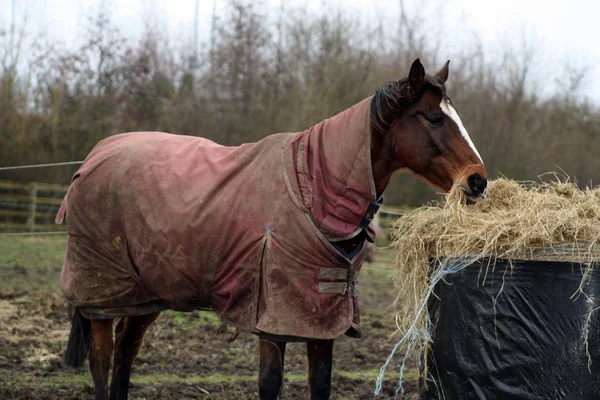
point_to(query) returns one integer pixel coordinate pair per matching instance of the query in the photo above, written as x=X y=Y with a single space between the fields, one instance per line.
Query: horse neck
x=382 y=161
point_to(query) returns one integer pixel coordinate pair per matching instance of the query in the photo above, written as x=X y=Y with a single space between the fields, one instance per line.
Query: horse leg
x=129 y=337
x=320 y=358
x=100 y=354
x=270 y=375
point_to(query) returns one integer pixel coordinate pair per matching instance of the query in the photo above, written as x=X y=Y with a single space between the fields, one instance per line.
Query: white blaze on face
x=449 y=110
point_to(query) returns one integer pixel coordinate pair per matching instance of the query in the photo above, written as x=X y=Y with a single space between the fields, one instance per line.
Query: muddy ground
x=185 y=355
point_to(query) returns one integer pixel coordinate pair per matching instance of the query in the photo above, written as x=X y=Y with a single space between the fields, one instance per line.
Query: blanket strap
x=369 y=216
x=349 y=278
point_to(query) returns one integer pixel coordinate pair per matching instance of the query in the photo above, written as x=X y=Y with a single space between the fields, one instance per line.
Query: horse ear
x=442 y=74
x=416 y=76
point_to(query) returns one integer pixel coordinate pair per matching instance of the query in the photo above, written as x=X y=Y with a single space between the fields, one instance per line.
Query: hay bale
x=514 y=222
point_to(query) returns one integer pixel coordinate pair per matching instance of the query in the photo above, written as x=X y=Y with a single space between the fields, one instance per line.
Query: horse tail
x=79 y=340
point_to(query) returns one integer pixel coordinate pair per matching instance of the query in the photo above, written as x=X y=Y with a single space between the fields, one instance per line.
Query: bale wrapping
x=533 y=341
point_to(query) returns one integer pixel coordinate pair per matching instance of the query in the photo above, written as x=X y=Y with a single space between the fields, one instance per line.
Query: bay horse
x=269 y=235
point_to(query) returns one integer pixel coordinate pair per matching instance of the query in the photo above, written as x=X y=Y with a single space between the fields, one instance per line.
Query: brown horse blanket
x=160 y=221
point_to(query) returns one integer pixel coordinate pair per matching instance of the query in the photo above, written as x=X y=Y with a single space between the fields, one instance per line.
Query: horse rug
x=160 y=221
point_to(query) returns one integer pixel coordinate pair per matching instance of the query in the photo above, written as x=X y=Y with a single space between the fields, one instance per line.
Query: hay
x=514 y=221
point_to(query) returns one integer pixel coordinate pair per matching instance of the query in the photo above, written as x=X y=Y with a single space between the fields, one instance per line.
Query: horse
x=269 y=235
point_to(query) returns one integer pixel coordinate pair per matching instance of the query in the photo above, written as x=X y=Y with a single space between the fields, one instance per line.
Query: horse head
x=416 y=126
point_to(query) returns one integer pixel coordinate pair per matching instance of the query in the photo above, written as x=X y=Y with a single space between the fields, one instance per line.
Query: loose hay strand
x=515 y=220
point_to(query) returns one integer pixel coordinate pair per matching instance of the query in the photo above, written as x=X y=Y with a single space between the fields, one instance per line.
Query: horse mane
x=396 y=96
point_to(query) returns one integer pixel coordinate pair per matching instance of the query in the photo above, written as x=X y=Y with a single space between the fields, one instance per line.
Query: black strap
x=369 y=215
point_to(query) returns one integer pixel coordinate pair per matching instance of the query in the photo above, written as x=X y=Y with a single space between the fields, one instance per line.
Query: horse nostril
x=477 y=184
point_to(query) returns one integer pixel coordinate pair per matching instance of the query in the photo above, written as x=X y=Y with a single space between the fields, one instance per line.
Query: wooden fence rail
x=32 y=207
x=29 y=206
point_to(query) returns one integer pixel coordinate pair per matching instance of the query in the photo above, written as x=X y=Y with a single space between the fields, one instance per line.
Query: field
x=185 y=355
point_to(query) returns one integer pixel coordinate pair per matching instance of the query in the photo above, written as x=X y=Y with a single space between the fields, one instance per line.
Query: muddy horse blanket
x=160 y=221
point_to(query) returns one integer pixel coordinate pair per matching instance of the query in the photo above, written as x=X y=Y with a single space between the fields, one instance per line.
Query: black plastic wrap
x=526 y=342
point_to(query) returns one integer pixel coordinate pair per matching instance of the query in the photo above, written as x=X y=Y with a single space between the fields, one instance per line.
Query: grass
x=195 y=319
x=63 y=379
x=31 y=263
x=151 y=379
x=33 y=251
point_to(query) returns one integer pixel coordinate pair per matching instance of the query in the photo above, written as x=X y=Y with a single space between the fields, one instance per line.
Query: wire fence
x=33 y=233
x=40 y=165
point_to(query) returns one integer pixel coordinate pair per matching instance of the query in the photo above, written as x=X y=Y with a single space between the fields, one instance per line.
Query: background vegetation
x=282 y=70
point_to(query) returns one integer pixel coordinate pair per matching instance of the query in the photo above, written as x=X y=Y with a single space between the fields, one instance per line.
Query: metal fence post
x=32 y=205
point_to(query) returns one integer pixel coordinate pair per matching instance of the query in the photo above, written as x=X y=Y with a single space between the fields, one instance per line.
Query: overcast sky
x=567 y=31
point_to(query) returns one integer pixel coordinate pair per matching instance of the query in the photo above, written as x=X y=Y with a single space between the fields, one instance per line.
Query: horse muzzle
x=475 y=187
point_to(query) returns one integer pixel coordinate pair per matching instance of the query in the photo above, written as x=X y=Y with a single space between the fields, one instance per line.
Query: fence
x=29 y=206
x=32 y=207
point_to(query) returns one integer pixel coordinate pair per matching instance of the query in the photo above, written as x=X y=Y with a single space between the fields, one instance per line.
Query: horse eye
x=434 y=119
